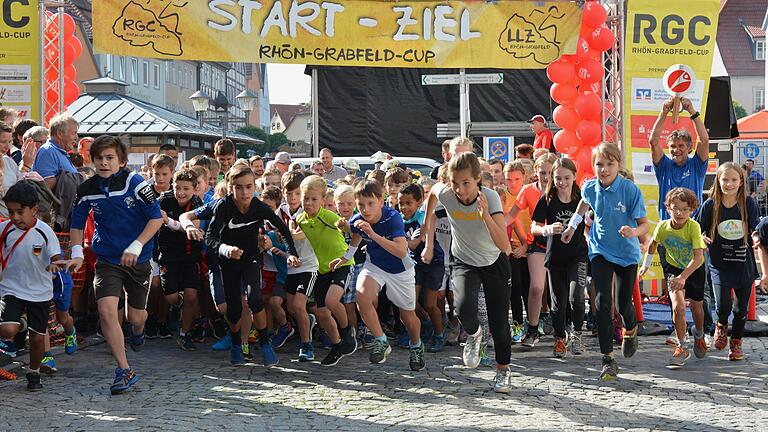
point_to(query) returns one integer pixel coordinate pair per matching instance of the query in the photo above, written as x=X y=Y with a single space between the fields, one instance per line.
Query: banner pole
x=463 y=102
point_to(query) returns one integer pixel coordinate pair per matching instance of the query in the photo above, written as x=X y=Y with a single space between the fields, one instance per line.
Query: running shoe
x=163 y=332
x=517 y=331
x=33 y=381
x=306 y=352
x=451 y=333
x=137 y=341
x=268 y=355
x=312 y=322
x=7 y=375
x=247 y=353
x=324 y=339
x=220 y=328
x=48 y=365
x=735 y=353
x=531 y=339
x=198 y=331
x=124 y=380
x=282 y=335
x=437 y=344
x=721 y=337
x=679 y=356
x=8 y=348
x=560 y=349
x=185 y=342
x=618 y=330
x=366 y=338
x=485 y=361
x=70 y=342
x=471 y=354
x=348 y=342
x=380 y=351
x=545 y=325
x=334 y=356
x=610 y=369
x=224 y=343
x=502 y=382
x=629 y=343
x=416 y=357
x=577 y=344
x=700 y=347
x=236 y=356
x=253 y=336
x=150 y=328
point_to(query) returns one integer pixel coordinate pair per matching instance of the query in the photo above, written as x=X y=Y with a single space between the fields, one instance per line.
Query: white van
x=423 y=165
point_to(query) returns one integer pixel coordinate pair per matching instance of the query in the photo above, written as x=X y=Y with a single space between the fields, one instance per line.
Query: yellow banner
x=20 y=57
x=423 y=34
x=661 y=34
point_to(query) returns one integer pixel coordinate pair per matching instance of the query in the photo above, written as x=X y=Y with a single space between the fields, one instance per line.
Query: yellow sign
x=423 y=34
x=661 y=34
x=20 y=57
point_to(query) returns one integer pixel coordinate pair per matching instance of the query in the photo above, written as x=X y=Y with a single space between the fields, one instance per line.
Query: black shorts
x=537 y=248
x=111 y=280
x=175 y=277
x=430 y=276
x=338 y=277
x=302 y=283
x=694 y=285
x=37 y=313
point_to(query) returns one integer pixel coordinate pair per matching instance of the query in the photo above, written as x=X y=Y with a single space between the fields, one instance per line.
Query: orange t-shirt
x=526 y=200
x=523 y=219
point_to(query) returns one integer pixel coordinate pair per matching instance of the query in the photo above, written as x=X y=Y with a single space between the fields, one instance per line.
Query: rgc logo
x=672 y=30
x=152 y=24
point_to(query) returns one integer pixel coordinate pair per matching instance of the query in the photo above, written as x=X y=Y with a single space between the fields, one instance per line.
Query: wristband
x=547 y=230
x=135 y=248
x=174 y=225
x=647 y=262
x=225 y=250
x=186 y=224
x=575 y=221
x=76 y=252
x=350 y=253
x=695 y=115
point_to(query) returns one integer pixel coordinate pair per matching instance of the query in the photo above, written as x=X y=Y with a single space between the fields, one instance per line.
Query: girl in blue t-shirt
x=614 y=248
x=727 y=219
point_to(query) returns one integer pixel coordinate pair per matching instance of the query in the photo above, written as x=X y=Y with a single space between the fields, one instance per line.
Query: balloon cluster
x=72 y=50
x=577 y=89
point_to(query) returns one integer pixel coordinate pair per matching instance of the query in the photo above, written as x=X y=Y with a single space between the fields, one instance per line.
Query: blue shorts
x=62 y=291
x=430 y=276
x=351 y=289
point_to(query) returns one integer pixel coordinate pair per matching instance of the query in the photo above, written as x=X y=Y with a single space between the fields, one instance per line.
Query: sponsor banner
x=649 y=94
x=20 y=57
x=419 y=34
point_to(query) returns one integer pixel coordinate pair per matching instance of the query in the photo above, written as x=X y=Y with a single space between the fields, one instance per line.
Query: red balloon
x=583 y=160
x=602 y=39
x=589 y=132
x=561 y=72
x=588 y=106
x=583 y=50
x=594 y=15
x=566 y=117
x=564 y=94
x=70 y=72
x=77 y=45
x=590 y=71
x=610 y=134
x=567 y=142
x=52 y=25
x=71 y=92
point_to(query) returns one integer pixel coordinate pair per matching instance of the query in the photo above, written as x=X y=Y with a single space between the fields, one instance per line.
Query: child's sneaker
x=610 y=369
x=577 y=344
x=48 y=365
x=437 y=344
x=223 y=344
x=268 y=355
x=33 y=381
x=70 y=342
x=253 y=336
x=502 y=382
x=517 y=332
x=366 y=338
x=629 y=343
x=416 y=357
x=560 y=350
x=735 y=353
x=306 y=352
x=247 y=353
x=137 y=342
x=7 y=375
x=485 y=361
x=163 y=332
x=282 y=335
x=236 y=357
x=700 y=347
x=680 y=356
x=124 y=380
x=325 y=340
x=185 y=342
x=8 y=348
x=721 y=337
x=531 y=339
x=380 y=351
x=471 y=355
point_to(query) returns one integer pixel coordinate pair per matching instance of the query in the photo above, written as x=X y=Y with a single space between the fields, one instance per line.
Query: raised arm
x=702 y=148
x=654 y=141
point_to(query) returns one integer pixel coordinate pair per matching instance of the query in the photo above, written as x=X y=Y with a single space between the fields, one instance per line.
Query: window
x=121 y=68
x=145 y=73
x=758 y=99
x=760 y=49
x=134 y=70
x=156 y=76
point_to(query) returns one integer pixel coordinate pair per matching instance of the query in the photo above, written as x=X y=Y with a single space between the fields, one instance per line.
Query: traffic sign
x=751 y=150
x=678 y=80
x=493 y=78
x=499 y=148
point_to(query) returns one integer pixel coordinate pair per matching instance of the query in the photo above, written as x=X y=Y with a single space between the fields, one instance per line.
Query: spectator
x=352 y=167
x=282 y=161
x=33 y=139
x=170 y=150
x=84 y=150
x=524 y=151
x=318 y=168
x=257 y=166
x=52 y=158
x=9 y=171
x=8 y=115
x=332 y=172
x=755 y=180
x=19 y=129
x=544 y=137
x=446 y=152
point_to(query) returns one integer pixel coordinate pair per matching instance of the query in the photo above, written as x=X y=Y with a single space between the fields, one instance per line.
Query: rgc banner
x=423 y=34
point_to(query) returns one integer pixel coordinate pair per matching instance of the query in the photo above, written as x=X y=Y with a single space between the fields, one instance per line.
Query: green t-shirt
x=679 y=243
x=326 y=240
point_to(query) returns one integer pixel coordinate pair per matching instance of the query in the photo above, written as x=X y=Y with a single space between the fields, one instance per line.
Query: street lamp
x=200 y=102
x=247 y=101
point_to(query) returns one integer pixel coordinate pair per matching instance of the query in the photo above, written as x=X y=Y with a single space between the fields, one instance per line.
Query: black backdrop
x=363 y=110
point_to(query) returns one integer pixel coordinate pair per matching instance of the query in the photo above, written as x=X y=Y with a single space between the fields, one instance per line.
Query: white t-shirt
x=303 y=247
x=25 y=276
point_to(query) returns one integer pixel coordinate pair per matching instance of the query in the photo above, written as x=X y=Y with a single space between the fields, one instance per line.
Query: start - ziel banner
x=423 y=34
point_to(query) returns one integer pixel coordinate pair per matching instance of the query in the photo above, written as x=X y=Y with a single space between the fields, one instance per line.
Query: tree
x=257 y=133
x=739 y=110
x=276 y=140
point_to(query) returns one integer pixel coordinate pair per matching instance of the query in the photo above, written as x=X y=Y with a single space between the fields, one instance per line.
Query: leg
x=740 y=309
x=724 y=303
x=367 y=292
x=435 y=314
x=333 y=303
x=466 y=284
x=297 y=306
x=325 y=318
x=36 y=349
x=625 y=285
x=276 y=307
x=578 y=281
x=190 y=309
x=412 y=325
x=697 y=310
x=137 y=318
x=538 y=275
x=516 y=298
x=678 y=313
x=497 y=289
x=110 y=329
x=602 y=275
x=559 y=283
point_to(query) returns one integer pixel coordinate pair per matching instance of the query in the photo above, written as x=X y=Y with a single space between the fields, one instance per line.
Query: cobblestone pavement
x=200 y=390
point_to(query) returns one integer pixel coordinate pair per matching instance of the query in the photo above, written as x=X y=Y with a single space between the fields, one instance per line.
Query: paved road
x=200 y=390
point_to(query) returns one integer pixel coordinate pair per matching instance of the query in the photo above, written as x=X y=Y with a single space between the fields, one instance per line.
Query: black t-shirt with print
x=560 y=254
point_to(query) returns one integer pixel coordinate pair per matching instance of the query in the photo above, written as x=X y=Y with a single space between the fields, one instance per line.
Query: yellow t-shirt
x=679 y=243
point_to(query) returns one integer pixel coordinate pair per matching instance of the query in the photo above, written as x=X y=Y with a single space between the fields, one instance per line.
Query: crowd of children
x=262 y=256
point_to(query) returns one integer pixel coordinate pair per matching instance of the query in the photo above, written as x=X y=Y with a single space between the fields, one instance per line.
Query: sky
x=288 y=84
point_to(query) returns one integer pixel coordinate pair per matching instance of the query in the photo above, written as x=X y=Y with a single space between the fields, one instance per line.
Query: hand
x=554 y=229
x=668 y=105
x=707 y=240
x=235 y=253
x=335 y=263
x=482 y=204
x=626 y=231
x=364 y=227
x=427 y=254
x=677 y=283
x=28 y=152
x=294 y=261
x=687 y=105
x=71 y=265
x=165 y=217
x=342 y=224
x=764 y=284
x=567 y=235
x=56 y=266
x=265 y=242
x=275 y=251
x=756 y=240
x=195 y=234
x=519 y=251
x=294 y=227
x=128 y=259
